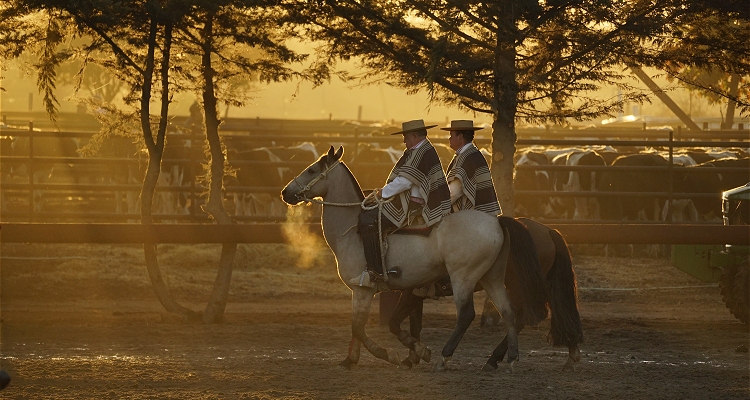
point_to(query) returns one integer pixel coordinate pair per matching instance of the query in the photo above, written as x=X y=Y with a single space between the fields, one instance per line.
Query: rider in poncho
x=468 y=174
x=418 y=191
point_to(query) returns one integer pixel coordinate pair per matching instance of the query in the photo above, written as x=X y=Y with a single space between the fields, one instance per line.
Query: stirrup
x=364 y=280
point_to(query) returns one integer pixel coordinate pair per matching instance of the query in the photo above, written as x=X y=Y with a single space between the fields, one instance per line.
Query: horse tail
x=527 y=282
x=566 y=328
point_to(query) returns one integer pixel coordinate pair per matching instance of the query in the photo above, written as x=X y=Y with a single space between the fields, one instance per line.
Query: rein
x=378 y=203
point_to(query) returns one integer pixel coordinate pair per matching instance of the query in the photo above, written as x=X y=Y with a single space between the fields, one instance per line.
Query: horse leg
x=361 y=303
x=415 y=328
x=409 y=305
x=499 y=353
x=463 y=297
x=574 y=355
x=352 y=357
x=499 y=297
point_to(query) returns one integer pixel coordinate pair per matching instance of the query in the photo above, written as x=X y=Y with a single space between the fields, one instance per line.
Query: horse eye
x=310 y=171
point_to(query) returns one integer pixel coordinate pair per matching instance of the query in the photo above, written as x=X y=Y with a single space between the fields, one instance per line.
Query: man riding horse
x=469 y=182
x=468 y=174
x=416 y=193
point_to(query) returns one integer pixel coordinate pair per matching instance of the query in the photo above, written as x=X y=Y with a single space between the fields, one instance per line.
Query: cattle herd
x=628 y=183
x=62 y=177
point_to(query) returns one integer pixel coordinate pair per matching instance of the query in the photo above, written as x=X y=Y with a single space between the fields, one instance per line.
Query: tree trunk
x=505 y=94
x=214 y=311
x=155 y=151
x=503 y=150
x=734 y=90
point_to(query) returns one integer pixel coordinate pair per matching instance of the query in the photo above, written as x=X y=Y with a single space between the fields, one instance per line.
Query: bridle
x=302 y=193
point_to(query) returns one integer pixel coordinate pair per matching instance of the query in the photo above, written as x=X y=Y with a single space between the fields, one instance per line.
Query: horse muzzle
x=290 y=197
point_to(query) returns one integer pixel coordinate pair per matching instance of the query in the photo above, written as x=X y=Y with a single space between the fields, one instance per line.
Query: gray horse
x=470 y=246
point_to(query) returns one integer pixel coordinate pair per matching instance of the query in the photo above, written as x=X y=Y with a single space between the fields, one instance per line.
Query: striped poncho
x=421 y=166
x=471 y=169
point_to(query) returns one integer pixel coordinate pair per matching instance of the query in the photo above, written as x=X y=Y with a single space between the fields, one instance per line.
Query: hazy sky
x=336 y=99
x=290 y=100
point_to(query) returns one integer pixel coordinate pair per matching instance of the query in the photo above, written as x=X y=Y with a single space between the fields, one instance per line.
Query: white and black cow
x=578 y=208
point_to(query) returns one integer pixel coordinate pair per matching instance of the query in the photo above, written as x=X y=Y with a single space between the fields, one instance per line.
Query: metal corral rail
x=275 y=233
x=348 y=135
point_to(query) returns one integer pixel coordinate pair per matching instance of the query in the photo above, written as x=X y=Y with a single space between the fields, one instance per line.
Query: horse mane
x=323 y=162
x=354 y=181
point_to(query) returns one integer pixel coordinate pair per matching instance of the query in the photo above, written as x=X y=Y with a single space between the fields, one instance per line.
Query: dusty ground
x=81 y=322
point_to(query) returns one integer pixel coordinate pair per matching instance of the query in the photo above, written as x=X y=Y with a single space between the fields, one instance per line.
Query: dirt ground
x=80 y=321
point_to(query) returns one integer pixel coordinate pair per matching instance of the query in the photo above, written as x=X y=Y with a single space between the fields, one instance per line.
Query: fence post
x=30 y=170
x=671 y=176
x=356 y=141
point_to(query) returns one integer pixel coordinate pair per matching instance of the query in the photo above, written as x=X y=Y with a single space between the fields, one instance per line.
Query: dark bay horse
x=561 y=296
x=471 y=247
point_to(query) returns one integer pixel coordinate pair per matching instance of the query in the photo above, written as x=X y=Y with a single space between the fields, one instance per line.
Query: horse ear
x=330 y=154
x=339 y=152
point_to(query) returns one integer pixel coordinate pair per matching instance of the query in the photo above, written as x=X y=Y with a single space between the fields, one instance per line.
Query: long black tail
x=527 y=282
x=566 y=328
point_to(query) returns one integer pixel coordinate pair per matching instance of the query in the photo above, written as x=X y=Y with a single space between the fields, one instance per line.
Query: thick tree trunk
x=503 y=150
x=214 y=311
x=505 y=94
x=155 y=151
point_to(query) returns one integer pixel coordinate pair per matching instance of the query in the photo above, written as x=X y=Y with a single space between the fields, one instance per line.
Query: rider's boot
x=371 y=242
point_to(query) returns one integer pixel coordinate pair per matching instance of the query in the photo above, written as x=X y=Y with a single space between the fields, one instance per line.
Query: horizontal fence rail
x=282 y=132
x=276 y=233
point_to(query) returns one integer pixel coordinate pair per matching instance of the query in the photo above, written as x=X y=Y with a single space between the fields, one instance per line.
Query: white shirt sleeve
x=395 y=187
x=456 y=188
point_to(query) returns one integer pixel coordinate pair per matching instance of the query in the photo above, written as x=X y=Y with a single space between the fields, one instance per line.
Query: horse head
x=312 y=181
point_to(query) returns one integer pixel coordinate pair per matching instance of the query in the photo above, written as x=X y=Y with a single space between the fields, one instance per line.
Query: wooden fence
x=291 y=132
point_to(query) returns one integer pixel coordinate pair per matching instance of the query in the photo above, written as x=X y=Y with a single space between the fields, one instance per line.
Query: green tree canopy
x=540 y=61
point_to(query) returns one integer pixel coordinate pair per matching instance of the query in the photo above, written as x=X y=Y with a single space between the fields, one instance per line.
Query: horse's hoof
x=4 y=379
x=568 y=367
x=413 y=357
x=393 y=357
x=575 y=355
x=441 y=365
x=489 y=367
x=510 y=367
x=406 y=364
x=423 y=352
x=346 y=364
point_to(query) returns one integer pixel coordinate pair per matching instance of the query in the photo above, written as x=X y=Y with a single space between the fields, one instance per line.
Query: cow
x=371 y=164
x=637 y=207
x=702 y=179
x=633 y=208
x=525 y=180
x=40 y=172
x=255 y=168
x=575 y=181
x=178 y=170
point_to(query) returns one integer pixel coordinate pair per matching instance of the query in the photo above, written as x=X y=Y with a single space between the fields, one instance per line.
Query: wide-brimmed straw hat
x=462 y=125
x=413 y=126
